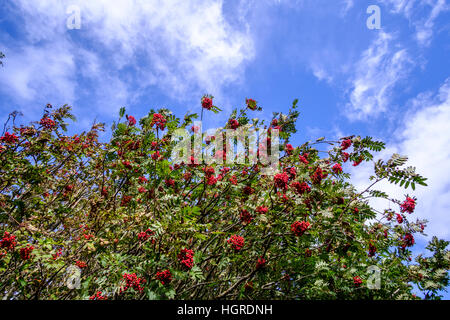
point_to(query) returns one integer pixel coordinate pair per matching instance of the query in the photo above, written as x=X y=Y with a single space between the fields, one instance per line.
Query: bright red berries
x=408 y=205
x=169 y=182
x=236 y=242
x=186 y=258
x=281 y=180
x=345 y=144
x=357 y=281
x=303 y=159
x=357 y=162
x=262 y=209
x=142 y=190
x=98 y=296
x=233 y=123
x=81 y=264
x=127 y=164
x=131 y=120
x=47 y=123
x=301 y=188
x=165 y=277
x=132 y=281
x=345 y=156
x=159 y=121
x=318 y=176
x=25 y=253
x=9 y=138
x=337 y=168
x=125 y=200
x=299 y=227
x=8 y=241
x=408 y=240
x=145 y=235
x=399 y=218
x=289 y=148
x=207 y=103
x=245 y=216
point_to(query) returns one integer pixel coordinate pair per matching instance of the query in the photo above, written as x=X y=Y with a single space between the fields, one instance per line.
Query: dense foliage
x=130 y=224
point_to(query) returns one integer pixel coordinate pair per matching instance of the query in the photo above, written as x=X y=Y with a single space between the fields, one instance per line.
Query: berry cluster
x=165 y=277
x=132 y=281
x=281 y=180
x=245 y=216
x=236 y=242
x=98 y=296
x=408 y=205
x=357 y=281
x=299 y=227
x=345 y=144
x=262 y=209
x=25 y=253
x=207 y=103
x=9 y=138
x=186 y=258
x=318 y=176
x=301 y=188
x=145 y=235
x=159 y=121
x=8 y=241
x=47 y=123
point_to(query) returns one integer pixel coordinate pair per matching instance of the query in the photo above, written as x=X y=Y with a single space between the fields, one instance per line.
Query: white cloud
x=421 y=14
x=376 y=74
x=184 y=48
x=425 y=139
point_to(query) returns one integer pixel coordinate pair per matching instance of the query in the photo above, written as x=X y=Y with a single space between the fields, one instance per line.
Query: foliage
x=122 y=212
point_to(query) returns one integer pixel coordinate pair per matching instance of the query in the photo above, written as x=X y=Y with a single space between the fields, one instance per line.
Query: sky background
x=391 y=83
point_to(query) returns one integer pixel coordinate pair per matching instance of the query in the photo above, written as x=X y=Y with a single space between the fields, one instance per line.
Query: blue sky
x=391 y=83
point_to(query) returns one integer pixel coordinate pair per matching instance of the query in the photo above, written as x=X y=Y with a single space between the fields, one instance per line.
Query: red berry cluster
x=165 y=277
x=236 y=242
x=47 y=123
x=132 y=281
x=131 y=120
x=408 y=205
x=9 y=138
x=357 y=281
x=81 y=264
x=98 y=296
x=186 y=258
x=262 y=209
x=246 y=216
x=408 y=240
x=303 y=158
x=301 y=188
x=289 y=148
x=281 y=180
x=25 y=253
x=299 y=227
x=345 y=144
x=159 y=121
x=337 y=168
x=233 y=123
x=145 y=235
x=207 y=103
x=8 y=241
x=318 y=176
